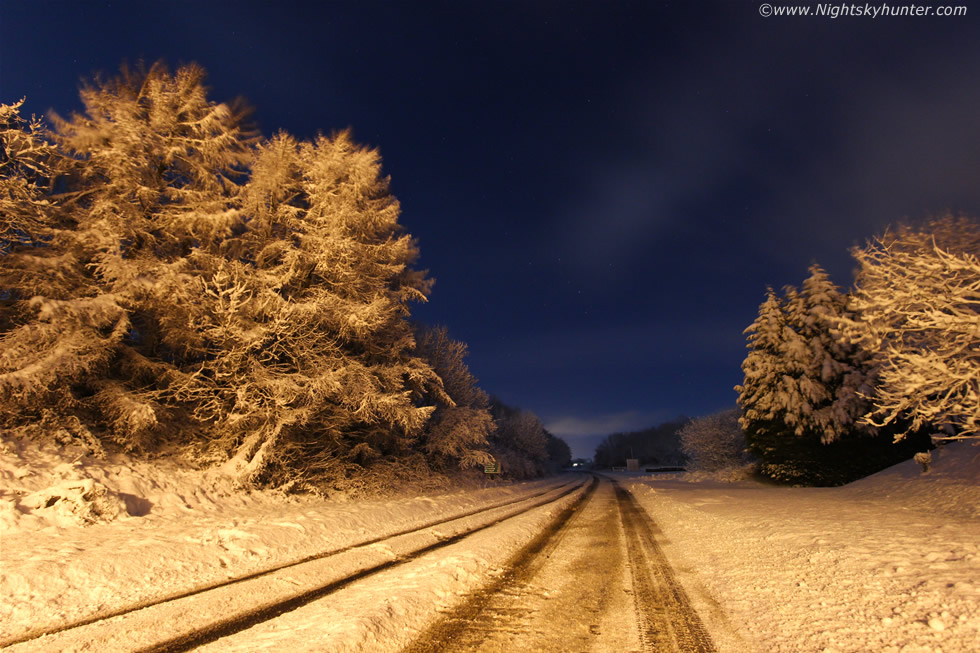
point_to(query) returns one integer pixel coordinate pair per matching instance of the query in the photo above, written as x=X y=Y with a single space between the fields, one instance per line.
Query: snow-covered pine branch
x=28 y=163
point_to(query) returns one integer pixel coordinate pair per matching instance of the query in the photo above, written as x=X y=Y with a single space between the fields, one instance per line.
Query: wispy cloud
x=632 y=420
x=584 y=433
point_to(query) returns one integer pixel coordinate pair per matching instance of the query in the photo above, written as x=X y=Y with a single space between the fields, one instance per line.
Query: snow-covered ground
x=86 y=553
x=888 y=563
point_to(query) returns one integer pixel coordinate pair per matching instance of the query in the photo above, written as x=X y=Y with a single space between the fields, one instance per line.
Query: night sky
x=602 y=190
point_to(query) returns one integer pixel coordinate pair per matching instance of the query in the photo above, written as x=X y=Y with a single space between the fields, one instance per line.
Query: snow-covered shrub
x=714 y=442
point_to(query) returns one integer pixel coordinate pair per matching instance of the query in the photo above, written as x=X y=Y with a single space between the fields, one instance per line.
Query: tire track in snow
x=562 y=591
x=667 y=620
x=114 y=628
x=496 y=609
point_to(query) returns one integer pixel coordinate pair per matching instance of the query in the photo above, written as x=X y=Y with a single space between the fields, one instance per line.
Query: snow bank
x=889 y=563
x=81 y=501
x=951 y=486
x=45 y=486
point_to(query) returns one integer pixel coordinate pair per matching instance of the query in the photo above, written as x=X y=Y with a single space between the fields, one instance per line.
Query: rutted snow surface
x=56 y=567
x=889 y=563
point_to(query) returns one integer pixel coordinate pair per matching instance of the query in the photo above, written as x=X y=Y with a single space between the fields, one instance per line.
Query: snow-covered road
x=573 y=566
x=597 y=582
x=186 y=616
x=889 y=563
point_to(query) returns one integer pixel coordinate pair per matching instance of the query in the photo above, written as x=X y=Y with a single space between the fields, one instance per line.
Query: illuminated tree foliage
x=461 y=422
x=27 y=164
x=898 y=356
x=519 y=441
x=800 y=376
x=167 y=278
x=805 y=389
x=146 y=177
x=761 y=395
x=310 y=353
x=917 y=306
x=714 y=443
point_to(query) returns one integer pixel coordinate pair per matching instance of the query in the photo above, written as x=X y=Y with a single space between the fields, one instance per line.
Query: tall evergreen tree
x=150 y=176
x=313 y=363
x=805 y=391
x=801 y=376
x=762 y=395
x=834 y=380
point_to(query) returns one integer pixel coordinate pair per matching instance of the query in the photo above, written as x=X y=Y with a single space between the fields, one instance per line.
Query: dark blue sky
x=602 y=190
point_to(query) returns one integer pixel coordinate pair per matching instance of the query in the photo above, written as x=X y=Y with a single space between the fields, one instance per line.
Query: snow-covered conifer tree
x=917 y=306
x=53 y=331
x=835 y=379
x=151 y=181
x=313 y=367
x=762 y=395
x=804 y=388
x=461 y=423
x=186 y=274
x=801 y=376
